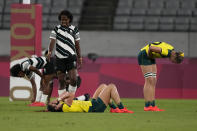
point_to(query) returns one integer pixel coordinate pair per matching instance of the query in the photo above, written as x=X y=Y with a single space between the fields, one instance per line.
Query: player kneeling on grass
x=101 y=99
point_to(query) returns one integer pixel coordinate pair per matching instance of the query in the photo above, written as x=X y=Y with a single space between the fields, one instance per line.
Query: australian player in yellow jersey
x=101 y=99
x=146 y=60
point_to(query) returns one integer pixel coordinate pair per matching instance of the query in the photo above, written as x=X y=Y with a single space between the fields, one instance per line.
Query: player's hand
x=79 y=62
x=54 y=101
x=49 y=55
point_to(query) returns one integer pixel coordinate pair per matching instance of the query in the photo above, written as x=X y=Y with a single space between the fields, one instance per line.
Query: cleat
x=155 y=108
x=33 y=104
x=40 y=104
x=150 y=108
x=125 y=110
x=117 y=110
x=37 y=104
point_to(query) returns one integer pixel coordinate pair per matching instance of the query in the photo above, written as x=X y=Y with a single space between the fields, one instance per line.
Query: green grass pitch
x=180 y=115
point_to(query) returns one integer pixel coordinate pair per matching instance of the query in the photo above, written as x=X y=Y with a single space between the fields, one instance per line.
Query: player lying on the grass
x=146 y=60
x=27 y=68
x=49 y=72
x=101 y=99
x=47 y=91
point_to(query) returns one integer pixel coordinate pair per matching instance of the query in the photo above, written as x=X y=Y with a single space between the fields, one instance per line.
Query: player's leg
x=73 y=80
x=154 y=81
x=62 y=84
x=148 y=89
x=61 y=72
x=98 y=91
x=50 y=90
x=72 y=73
x=46 y=90
x=111 y=92
x=149 y=72
x=38 y=95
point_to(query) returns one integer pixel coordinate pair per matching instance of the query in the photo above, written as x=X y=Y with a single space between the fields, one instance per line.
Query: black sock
x=112 y=105
x=152 y=103
x=120 y=105
x=75 y=98
x=147 y=103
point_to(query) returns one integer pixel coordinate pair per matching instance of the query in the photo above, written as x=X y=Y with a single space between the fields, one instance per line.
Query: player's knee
x=112 y=84
x=103 y=85
x=73 y=81
x=149 y=80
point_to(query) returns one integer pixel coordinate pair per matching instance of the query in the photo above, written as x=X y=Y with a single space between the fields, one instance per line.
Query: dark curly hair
x=179 y=57
x=14 y=71
x=52 y=109
x=66 y=13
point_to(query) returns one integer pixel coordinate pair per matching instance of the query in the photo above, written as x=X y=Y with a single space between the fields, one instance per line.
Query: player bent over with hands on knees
x=146 y=60
x=27 y=68
x=101 y=99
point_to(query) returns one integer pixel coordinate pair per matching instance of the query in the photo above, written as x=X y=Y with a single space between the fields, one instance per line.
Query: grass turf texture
x=180 y=115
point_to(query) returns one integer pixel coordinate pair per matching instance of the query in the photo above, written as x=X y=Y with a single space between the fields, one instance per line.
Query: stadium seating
x=130 y=15
x=51 y=9
x=156 y=15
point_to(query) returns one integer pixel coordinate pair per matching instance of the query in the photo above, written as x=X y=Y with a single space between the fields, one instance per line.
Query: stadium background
x=116 y=30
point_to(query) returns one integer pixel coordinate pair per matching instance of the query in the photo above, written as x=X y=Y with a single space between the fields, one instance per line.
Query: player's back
x=166 y=49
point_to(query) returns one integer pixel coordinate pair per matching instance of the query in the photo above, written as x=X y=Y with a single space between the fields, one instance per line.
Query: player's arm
x=34 y=69
x=78 y=50
x=67 y=97
x=51 y=46
x=153 y=49
x=34 y=88
x=31 y=68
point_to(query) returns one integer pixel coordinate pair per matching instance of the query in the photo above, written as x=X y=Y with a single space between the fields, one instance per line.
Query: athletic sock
x=112 y=105
x=147 y=103
x=61 y=91
x=38 y=96
x=120 y=105
x=72 y=88
x=44 y=98
x=81 y=98
x=152 y=103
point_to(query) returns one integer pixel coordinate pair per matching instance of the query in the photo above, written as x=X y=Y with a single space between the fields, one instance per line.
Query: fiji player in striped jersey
x=66 y=38
x=27 y=68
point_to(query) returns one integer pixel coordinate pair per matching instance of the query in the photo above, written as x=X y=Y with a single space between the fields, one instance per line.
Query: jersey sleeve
x=53 y=33
x=76 y=34
x=25 y=65
x=165 y=52
x=38 y=62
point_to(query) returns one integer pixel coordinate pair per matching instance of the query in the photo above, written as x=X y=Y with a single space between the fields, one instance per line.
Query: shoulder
x=72 y=27
x=56 y=27
x=75 y=28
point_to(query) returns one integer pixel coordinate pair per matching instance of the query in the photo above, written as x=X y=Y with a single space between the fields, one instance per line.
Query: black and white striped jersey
x=65 y=40
x=37 y=62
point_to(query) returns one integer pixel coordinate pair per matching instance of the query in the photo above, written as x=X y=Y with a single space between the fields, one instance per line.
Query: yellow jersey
x=77 y=106
x=166 y=49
